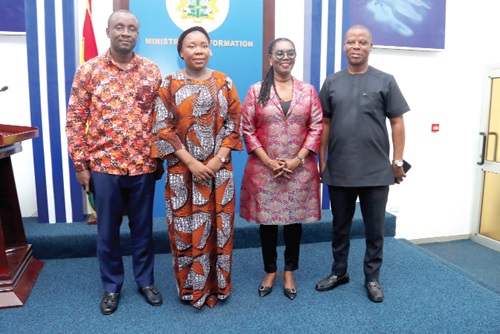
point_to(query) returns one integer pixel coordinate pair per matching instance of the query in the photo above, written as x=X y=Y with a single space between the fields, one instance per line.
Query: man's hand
x=83 y=178
x=399 y=173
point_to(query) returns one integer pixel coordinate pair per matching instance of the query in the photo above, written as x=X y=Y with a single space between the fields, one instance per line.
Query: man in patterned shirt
x=114 y=94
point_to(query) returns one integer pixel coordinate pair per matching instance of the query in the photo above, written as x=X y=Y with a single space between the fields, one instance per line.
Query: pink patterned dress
x=264 y=199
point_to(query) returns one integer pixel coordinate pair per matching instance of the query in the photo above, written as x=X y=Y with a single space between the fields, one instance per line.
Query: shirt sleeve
x=76 y=120
x=165 y=138
x=315 y=123
x=233 y=122
x=396 y=103
x=249 y=120
x=324 y=97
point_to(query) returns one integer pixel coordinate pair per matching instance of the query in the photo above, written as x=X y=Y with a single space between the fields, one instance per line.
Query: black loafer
x=332 y=282
x=109 y=302
x=265 y=290
x=290 y=293
x=152 y=295
x=375 y=292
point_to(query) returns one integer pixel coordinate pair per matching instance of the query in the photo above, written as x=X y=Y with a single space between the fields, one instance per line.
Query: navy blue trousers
x=112 y=193
x=372 y=201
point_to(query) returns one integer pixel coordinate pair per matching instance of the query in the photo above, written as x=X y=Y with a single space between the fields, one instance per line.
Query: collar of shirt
x=109 y=59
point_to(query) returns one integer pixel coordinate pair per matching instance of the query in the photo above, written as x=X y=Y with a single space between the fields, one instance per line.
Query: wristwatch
x=222 y=159
x=398 y=163
x=301 y=158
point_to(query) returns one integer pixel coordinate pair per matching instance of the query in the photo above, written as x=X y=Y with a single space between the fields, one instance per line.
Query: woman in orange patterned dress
x=197 y=125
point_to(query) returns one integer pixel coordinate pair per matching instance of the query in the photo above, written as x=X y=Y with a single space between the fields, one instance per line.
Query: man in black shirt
x=356 y=103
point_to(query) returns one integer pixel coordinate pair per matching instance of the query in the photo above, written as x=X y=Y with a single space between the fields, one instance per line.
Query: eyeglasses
x=280 y=54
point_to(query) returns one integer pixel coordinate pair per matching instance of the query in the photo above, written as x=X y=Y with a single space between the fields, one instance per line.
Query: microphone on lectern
x=4 y=88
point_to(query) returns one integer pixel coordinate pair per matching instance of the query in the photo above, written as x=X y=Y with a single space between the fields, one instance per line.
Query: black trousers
x=372 y=201
x=269 y=241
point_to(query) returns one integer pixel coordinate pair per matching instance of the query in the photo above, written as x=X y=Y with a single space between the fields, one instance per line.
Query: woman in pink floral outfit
x=282 y=124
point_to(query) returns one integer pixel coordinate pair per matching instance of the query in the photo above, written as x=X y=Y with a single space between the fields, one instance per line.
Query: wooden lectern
x=18 y=268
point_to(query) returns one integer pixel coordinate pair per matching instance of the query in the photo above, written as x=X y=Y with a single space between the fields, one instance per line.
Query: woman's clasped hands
x=283 y=167
x=201 y=172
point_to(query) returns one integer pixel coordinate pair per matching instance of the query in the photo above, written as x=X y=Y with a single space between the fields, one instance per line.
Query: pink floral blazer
x=270 y=201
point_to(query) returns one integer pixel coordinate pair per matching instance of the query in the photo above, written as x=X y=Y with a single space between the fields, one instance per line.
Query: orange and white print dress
x=200 y=116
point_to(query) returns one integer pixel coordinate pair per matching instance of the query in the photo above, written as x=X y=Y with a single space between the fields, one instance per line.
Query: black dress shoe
x=375 y=292
x=109 y=302
x=152 y=295
x=265 y=290
x=331 y=282
x=290 y=293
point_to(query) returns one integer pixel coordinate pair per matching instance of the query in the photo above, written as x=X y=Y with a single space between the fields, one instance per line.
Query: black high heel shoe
x=265 y=290
x=290 y=293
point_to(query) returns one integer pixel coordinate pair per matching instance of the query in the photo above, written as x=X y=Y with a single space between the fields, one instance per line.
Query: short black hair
x=126 y=11
x=181 y=38
x=361 y=27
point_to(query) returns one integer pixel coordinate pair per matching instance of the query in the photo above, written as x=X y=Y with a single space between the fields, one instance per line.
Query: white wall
x=441 y=87
x=446 y=88
x=15 y=110
x=289 y=24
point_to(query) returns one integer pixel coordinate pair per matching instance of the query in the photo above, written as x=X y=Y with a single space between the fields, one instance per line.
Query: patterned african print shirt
x=117 y=105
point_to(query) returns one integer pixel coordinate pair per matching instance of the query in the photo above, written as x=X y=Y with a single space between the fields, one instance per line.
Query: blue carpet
x=478 y=262
x=58 y=241
x=423 y=295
